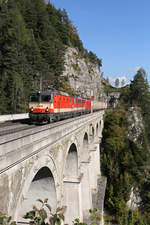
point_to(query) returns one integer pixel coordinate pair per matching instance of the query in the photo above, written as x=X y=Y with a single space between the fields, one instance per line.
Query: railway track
x=9 y=128
x=33 y=130
x=13 y=127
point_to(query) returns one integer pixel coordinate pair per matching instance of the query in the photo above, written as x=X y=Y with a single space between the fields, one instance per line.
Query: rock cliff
x=135 y=124
x=84 y=77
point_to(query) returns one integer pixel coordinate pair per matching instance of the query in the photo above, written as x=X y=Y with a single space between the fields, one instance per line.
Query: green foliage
x=77 y=222
x=95 y=218
x=108 y=88
x=40 y=216
x=145 y=193
x=139 y=95
x=94 y=59
x=44 y=216
x=122 y=82
x=123 y=162
x=117 y=83
x=139 y=88
x=33 y=40
x=66 y=88
x=6 y=220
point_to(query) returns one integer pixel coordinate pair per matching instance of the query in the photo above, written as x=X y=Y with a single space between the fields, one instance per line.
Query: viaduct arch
x=61 y=164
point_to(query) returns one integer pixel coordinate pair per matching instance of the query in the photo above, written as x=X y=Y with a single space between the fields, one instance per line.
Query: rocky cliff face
x=135 y=124
x=84 y=77
x=135 y=130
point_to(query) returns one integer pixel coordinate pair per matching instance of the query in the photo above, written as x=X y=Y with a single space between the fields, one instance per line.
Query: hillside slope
x=125 y=156
x=35 y=38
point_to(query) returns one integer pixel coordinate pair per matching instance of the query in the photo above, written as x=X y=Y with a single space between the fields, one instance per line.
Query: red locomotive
x=55 y=105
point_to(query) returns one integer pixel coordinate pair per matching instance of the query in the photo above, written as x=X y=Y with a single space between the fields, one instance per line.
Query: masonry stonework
x=61 y=164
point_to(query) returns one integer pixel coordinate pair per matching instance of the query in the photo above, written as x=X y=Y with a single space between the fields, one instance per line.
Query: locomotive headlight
x=47 y=109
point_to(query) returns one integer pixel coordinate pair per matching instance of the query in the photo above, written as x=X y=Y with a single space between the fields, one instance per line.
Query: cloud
x=129 y=74
x=137 y=68
x=112 y=80
x=134 y=69
x=120 y=79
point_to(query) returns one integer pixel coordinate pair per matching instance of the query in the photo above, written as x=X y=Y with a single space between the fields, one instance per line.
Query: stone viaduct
x=58 y=161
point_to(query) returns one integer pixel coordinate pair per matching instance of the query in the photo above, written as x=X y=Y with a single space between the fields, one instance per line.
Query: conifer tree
x=14 y=63
x=140 y=95
x=139 y=88
x=33 y=39
x=117 y=83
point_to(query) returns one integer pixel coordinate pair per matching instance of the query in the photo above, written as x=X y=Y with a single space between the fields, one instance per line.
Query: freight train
x=52 y=106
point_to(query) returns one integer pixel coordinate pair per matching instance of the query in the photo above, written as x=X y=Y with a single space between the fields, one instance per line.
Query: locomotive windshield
x=34 y=98
x=45 y=98
x=40 y=98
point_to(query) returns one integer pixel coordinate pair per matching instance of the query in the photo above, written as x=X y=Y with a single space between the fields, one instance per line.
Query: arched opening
x=71 y=168
x=97 y=129
x=41 y=187
x=71 y=187
x=85 y=142
x=85 y=185
x=91 y=132
x=85 y=148
x=100 y=124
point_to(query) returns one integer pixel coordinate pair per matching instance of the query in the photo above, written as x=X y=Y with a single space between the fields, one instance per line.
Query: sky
x=117 y=31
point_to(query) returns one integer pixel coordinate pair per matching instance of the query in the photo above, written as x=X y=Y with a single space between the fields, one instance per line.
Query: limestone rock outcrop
x=84 y=77
x=135 y=124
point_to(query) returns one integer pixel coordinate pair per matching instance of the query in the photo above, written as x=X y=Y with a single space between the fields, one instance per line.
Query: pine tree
x=122 y=82
x=13 y=49
x=140 y=96
x=117 y=83
x=139 y=88
x=33 y=39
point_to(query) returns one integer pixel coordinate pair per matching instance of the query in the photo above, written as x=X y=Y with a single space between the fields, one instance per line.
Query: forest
x=33 y=38
x=125 y=155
